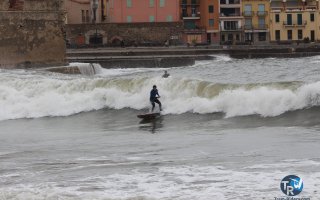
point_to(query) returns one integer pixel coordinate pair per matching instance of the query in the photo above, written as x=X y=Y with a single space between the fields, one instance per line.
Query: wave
x=39 y=96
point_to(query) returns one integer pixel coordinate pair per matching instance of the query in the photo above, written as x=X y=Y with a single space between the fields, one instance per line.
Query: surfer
x=154 y=95
x=165 y=75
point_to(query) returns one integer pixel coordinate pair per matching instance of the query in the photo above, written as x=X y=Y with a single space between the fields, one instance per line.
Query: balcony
x=231 y=15
x=190 y=16
x=248 y=13
x=231 y=28
x=262 y=13
x=190 y=3
x=230 y=2
x=295 y=24
x=248 y=27
x=256 y=27
x=261 y=26
x=194 y=30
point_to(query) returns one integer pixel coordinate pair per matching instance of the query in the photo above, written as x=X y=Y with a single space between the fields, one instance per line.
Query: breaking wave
x=30 y=96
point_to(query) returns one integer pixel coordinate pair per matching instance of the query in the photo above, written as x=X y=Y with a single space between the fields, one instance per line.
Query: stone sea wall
x=111 y=34
x=32 y=33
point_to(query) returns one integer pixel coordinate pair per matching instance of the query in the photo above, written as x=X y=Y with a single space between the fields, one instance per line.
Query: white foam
x=171 y=182
x=32 y=96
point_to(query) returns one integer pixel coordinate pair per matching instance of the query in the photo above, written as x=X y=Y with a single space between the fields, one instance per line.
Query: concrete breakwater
x=175 y=57
x=172 y=57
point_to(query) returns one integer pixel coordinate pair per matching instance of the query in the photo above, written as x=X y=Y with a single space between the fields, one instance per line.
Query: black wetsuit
x=154 y=98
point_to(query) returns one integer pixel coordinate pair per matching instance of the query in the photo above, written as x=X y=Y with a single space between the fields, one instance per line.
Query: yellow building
x=256 y=21
x=294 y=20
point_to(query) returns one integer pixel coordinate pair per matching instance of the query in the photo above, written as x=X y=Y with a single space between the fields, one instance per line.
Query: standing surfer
x=154 y=95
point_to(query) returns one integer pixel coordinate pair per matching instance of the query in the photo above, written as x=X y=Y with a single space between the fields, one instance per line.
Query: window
x=261 y=23
x=289 y=19
x=83 y=16
x=151 y=3
x=169 y=18
x=87 y=16
x=129 y=3
x=211 y=22
x=312 y=17
x=223 y=38
x=289 y=32
x=129 y=19
x=277 y=34
x=299 y=17
x=248 y=10
x=211 y=9
x=248 y=23
x=261 y=10
x=312 y=35
x=262 y=36
x=151 y=18
x=300 y=36
x=162 y=3
x=277 y=16
x=237 y=37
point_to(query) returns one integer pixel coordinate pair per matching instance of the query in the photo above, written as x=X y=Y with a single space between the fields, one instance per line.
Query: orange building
x=201 y=21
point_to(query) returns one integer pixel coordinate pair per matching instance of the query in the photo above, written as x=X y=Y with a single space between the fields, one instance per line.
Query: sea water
x=230 y=129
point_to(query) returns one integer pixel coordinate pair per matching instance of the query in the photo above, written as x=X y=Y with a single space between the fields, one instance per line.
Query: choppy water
x=231 y=129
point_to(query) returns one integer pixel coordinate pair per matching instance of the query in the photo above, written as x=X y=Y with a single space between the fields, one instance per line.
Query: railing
x=197 y=29
x=248 y=27
x=256 y=27
x=230 y=2
x=230 y=15
x=248 y=13
x=262 y=13
x=303 y=23
x=261 y=26
x=238 y=28
x=190 y=3
x=197 y=16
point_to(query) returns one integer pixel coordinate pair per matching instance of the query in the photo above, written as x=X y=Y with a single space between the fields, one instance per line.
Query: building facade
x=231 y=22
x=294 y=21
x=201 y=21
x=85 y=11
x=209 y=11
x=133 y=11
x=256 y=21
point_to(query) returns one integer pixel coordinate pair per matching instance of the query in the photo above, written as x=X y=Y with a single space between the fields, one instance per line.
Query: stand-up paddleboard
x=149 y=115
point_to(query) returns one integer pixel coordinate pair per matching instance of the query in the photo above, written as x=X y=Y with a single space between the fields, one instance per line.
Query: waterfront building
x=256 y=21
x=231 y=22
x=132 y=11
x=85 y=11
x=294 y=21
x=201 y=21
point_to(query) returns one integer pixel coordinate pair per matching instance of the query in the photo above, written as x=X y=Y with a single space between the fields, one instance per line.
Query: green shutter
x=151 y=18
x=129 y=3
x=162 y=3
x=129 y=19
x=151 y=3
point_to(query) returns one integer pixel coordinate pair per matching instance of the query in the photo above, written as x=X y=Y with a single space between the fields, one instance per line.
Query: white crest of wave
x=36 y=96
x=261 y=100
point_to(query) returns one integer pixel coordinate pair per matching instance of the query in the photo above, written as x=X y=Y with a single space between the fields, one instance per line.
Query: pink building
x=124 y=11
x=81 y=11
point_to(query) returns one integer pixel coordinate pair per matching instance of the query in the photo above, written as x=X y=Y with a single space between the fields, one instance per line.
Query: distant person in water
x=154 y=95
x=165 y=75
